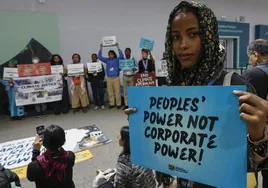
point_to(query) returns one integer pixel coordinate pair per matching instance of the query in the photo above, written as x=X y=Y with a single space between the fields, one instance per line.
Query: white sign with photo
x=75 y=69
x=56 y=69
x=94 y=67
x=109 y=41
x=38 y=89
x=161 y=68
x=10 y=73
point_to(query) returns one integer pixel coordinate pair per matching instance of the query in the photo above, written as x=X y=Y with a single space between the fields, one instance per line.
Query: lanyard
x=145 y=64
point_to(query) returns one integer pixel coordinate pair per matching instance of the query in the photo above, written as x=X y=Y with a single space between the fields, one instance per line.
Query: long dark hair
x=124 y=133
x=112 y=52
x=54 y=137
x=53 y=62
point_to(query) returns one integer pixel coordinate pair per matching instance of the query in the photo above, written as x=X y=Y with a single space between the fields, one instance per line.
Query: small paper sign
x=145 y=79
x=126 y=64
x=56 y=69
x=75 y=69
x=10 y=73
x=161 y=68
x=39 y=69
x=109 y=41
x=147 y=44
x=94 y=67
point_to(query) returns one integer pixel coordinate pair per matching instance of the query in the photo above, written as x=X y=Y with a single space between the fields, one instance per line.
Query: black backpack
x=4 y=183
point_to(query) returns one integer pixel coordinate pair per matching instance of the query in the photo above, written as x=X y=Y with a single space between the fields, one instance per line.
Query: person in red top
x=78 y=89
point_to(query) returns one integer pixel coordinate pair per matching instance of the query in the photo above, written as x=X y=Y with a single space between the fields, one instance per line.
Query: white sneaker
x=103 y=107
x=96 y=108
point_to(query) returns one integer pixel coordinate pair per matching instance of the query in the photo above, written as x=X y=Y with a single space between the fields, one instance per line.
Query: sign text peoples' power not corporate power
x=191 y=135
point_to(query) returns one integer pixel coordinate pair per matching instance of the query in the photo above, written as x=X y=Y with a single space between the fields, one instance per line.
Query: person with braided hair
x=195 y=59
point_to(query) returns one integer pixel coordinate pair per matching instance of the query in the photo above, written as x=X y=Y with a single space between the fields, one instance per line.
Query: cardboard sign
x=109 y=41
x=75 y=69
x=147 y=44
x=56 y=69
x=38 y=69
x=94 y=67
x=126 y=64
x=145 y=79
x=189 y=133
x=10 y=73
x=38 y=89
x=161 y=68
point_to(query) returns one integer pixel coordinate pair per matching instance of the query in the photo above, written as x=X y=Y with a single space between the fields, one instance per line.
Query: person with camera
x=54 y=167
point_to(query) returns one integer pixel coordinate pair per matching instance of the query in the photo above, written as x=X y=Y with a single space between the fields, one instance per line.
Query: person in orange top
x=78 y=89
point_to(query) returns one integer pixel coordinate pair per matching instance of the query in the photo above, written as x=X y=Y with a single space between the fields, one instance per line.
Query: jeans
x=98 y=95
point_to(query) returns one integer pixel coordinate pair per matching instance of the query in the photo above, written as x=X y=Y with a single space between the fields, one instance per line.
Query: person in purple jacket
x=113 y=80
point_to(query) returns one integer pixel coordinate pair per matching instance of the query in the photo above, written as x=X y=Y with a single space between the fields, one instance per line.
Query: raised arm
x=151 y=57
x=100 y=56
x=121 y=55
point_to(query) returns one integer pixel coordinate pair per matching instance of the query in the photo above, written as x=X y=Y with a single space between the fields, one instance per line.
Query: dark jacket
x=236 y=80
x=150 y=66
x=258 y=79
x=36 y=173
x=96 y=79
x=129 y=175
x=10 y=176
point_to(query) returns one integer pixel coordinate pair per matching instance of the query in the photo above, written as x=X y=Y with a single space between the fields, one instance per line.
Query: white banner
x=161 y=68
x=38 y=89
x=94 y=67
x=10 y=73
x=75 y=69
x=109 y=41
x=18 y=153
x=56 y=69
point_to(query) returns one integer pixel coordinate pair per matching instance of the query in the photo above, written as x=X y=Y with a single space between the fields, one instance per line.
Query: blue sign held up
x=147 y=44
x=189 y=133
x=126 y=64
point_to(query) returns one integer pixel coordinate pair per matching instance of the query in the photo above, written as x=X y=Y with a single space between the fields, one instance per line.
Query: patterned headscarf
x=210 y=64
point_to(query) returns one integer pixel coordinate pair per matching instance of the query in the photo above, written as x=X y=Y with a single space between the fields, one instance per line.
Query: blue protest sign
x=147 y=44
x=193 y=133
x=126 y=64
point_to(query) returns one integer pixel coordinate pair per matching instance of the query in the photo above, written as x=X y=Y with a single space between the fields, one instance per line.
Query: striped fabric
x=132 y=176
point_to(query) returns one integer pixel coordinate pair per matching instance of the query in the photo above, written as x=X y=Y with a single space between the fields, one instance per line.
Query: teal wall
x=17 y=29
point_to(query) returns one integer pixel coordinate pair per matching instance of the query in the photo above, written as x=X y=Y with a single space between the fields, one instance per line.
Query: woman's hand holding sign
x=38 y=143
x=254 y=111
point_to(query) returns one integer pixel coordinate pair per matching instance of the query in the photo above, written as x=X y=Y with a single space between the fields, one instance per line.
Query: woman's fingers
x=130 y=111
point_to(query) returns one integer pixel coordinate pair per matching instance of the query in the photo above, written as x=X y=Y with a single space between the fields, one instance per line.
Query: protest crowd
x=193 y=57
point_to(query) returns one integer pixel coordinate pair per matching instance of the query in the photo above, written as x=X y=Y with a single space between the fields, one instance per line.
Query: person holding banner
x=78 y=89
x=128 y=78
x=146 y=64
x=96 y=79
x=194 y=59
x=113 y=80
x=16 y=112
x=63 y=105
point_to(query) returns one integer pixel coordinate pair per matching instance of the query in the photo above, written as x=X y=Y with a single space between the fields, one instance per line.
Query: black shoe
x=44 y=114
x=126 y=107
x=85 y=110
x=75 y=110
x=111 y=107
x=57 y=113
x=119 y=107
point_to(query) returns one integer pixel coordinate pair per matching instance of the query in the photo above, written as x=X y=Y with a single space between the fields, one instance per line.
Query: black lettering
x=170 y=120
x=212 y=142
x=180 y=105
x=193 y=120
x=212 y=122
x=178 y=120
x=153 y=102
x=164 y=150
x=152 y=117
x=157 y=147
x=153 y=133
x=147 y=135
x=165 y=103
x=192 y=154
x=192 y=139
x=168 y=133
x=159 y=102
x=203 y=122
x=161 y=119
x=173 y=103
x=194 y=107
x=184 y=136
x=160 y=134
x=173 y=153
x=175 y=136
x=146 y=116
x=202 y=138
x=201 y=156
x=183 y=154
x=186 y=104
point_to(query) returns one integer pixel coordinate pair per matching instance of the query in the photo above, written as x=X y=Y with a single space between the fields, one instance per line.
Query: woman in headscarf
x=195 y=59
x=16 y=112
x=63 y=105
